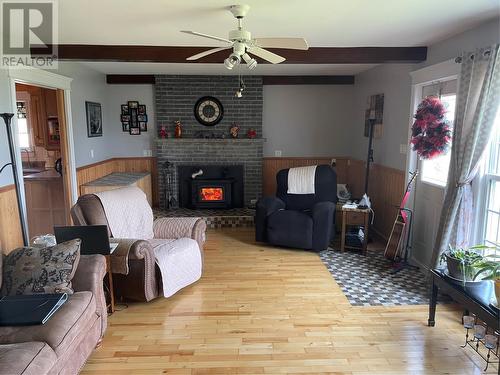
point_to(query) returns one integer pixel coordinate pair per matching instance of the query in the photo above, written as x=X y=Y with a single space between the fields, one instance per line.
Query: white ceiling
x=324 y=23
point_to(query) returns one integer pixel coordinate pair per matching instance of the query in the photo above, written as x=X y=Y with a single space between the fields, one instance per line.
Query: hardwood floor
x=261 y=310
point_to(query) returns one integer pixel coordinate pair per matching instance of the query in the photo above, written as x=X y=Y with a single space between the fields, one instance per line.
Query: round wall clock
x=208 y=111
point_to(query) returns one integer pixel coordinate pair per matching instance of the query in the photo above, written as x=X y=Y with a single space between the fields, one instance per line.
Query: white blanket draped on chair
x=301 y=180
x=129 y=215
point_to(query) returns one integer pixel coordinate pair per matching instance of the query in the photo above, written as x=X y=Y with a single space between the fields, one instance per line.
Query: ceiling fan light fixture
x=251 y=62
x=232 y=60
x=242 y=44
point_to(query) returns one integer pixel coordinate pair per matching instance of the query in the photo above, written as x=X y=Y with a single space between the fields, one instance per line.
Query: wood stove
x=211 y=193
x=210 y=186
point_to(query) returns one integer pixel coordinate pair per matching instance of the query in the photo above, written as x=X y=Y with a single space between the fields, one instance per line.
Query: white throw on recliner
x=130 y=216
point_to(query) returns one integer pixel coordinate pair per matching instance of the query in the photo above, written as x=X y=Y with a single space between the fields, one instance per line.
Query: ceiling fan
x=242 y=44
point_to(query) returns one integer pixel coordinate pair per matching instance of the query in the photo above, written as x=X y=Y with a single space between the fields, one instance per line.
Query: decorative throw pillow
x=29 y=270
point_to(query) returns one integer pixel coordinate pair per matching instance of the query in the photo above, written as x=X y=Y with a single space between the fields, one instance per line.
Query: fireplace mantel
x=210 y=140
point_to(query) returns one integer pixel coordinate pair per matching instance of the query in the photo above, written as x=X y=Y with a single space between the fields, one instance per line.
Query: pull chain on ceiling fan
x=243 y=46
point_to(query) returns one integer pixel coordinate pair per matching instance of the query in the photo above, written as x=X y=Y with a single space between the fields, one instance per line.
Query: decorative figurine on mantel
x=163 y=132
x=251 y=133
x=234 y=130
x=178 y=129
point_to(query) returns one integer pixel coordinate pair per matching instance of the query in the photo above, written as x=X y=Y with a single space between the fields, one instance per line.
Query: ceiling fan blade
x=290 y=43
x=266 y=55
x=206 y=36
x=206 y=53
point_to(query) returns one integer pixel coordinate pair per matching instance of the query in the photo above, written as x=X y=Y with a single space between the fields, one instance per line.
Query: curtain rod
x=459 y=59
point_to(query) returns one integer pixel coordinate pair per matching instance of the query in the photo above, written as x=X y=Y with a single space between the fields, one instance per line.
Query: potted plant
x=462 y=263
x=489 y=268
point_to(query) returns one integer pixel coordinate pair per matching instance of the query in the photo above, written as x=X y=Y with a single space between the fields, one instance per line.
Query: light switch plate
x=277 y=153
x=403 y=148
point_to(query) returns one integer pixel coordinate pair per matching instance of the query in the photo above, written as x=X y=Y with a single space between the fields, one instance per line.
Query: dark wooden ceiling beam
x=136 y=79
x=178 y=54
x=308 y=80
x=266 y=80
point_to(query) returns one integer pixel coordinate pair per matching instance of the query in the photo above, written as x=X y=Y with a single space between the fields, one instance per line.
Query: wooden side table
x=357 y=217
x=111 y=303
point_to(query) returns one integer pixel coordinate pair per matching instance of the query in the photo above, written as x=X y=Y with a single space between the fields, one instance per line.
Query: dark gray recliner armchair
x=304 y=221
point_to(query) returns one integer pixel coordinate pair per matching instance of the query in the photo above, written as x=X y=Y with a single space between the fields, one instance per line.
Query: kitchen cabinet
x=50 y=102
x=52 y=136
x=44 y=202
x=43 y=116
x=37 y=118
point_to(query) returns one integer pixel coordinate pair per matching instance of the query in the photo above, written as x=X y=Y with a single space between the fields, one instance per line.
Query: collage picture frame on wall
x=134 y=118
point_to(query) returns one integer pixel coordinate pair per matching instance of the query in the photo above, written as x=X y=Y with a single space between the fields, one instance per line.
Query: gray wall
x=123 y=144
x=307 y=120
x=481 y=36
x=394 y=81
x=87 y=85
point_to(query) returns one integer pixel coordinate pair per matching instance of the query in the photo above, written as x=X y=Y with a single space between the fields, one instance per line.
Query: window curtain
x=478 y=100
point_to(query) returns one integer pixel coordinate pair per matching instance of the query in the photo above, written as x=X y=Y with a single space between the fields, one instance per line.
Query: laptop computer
x=23 y=310
x=94 y=238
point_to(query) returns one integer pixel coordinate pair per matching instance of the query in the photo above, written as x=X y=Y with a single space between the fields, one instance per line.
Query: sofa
x=63 y=344
x=303 y=221
x=142 y=280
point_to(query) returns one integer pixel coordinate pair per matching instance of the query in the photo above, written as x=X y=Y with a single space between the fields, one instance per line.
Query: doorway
x=39 y=139
x=431 y=182
x=62 y=87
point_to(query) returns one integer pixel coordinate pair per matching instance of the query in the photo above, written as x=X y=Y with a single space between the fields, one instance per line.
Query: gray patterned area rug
x=370 y=280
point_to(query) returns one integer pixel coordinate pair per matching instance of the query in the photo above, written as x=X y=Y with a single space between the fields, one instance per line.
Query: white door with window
x=429 y=190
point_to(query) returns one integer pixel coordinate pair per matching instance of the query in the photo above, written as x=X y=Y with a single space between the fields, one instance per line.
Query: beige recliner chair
x=142 y=281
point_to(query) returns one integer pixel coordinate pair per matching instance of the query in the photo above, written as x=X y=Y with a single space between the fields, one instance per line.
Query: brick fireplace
x=196 y=153
x=202 y=146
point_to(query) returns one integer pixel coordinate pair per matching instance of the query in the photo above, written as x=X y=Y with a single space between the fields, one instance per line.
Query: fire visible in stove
x=211 y=194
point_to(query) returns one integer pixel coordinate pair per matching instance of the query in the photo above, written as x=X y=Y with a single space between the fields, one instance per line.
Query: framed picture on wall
x=126 y=126
x=143 y=126
x=94 y=119
x=124 y=109
x=135 y=131
x=133 y=104
x=141 y=109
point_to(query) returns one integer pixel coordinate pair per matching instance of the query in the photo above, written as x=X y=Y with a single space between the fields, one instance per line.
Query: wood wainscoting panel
x=11 y=235
x=100 y=169
x=386 y=190
x=93 y=171
x=356 y=177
